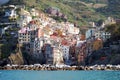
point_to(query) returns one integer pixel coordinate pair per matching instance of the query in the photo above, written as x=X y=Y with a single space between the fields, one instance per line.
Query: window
x=65 y=51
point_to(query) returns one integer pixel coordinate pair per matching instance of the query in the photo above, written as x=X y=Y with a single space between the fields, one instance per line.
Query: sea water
x=58 y=75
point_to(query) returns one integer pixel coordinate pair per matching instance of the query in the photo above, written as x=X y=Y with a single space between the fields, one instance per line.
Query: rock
x=51 y=68
x=4 y=62
x=16 y=58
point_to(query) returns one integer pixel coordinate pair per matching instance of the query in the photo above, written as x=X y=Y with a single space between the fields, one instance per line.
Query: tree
x=114 y=29
x=100 y=22
x=98 y=44
x=113 y=7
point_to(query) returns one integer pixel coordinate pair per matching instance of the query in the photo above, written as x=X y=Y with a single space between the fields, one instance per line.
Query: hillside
x=76 y=11
x=96 y=1
x=113 y=9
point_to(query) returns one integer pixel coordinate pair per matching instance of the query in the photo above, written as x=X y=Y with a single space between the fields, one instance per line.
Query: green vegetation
x=114 y=29
x=113 y=9
x=76 y=11
x=59 y=19
x=8 y=43
x=95 y=1
x=6 y=50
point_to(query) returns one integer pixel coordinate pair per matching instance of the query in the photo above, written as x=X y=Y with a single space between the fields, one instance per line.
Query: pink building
x=40 y=33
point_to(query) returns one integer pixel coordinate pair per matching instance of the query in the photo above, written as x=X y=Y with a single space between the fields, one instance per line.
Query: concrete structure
x=105 y=35
x=102 y=35
x=90 y=33
x=72 y=29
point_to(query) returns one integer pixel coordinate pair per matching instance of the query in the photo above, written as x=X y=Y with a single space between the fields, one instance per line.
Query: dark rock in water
x=4 y=62
x=115 y=60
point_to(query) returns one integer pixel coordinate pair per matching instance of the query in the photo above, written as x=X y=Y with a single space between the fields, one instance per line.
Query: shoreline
x=59 y=67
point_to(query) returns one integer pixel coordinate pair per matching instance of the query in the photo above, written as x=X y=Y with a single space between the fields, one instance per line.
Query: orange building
x=97 y=44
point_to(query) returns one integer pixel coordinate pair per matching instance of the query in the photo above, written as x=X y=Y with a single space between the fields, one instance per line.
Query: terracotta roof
x=24 y=30
x=65 y=42
x=54 y=37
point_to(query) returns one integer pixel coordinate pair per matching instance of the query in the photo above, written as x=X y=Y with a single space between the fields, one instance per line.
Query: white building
x=98 y=35
x=90 y=33
x=102 y=35
x=25 y=18
x=65 y=52
x=79 y=43
x=72 y=29
x=110 y=20
x=105 y=35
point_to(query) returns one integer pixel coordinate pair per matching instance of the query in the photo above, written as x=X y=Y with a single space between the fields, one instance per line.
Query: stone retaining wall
x=51 y=68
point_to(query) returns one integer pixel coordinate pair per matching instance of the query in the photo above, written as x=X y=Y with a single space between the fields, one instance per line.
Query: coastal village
x=48 y=41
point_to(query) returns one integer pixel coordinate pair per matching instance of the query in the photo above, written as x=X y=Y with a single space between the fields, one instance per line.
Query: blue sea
x=58 y=75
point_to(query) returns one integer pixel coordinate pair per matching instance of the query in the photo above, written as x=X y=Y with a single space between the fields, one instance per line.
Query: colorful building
x=57 y=56
x=48 y=52
x=81 y=52
x=25 y=35
x=65 y=46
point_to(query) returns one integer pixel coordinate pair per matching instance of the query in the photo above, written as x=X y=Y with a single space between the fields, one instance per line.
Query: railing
x=8 y=23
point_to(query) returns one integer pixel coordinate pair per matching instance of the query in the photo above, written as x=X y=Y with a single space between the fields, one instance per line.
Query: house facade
x=25 y=35
x=81 y=52
x=65 y=53
x=57 y=56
